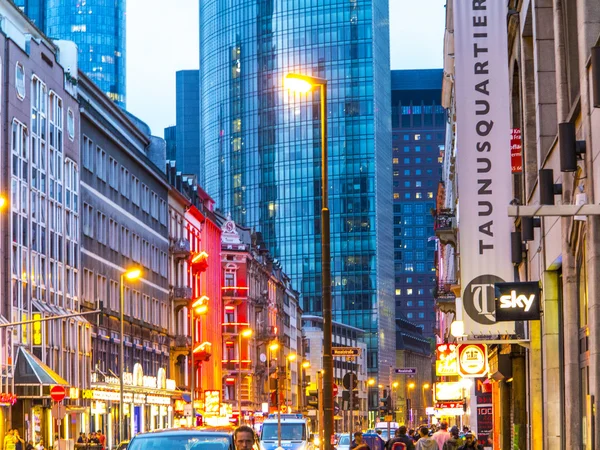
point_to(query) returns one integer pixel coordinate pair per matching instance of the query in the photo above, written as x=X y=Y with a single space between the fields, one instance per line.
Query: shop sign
x=158 y=400
x=446 y=364
x=212 y=402
x=149 y=382
x=7 y=399
x=516 y=157
x=73 y=393
x=472 y=360
x=517 y=301
x=445 y=405
x=171 y=385
x=448 y=391
x=98 y=407
x=37 y=329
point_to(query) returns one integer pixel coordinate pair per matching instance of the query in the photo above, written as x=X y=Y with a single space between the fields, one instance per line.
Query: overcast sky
x=162 y=38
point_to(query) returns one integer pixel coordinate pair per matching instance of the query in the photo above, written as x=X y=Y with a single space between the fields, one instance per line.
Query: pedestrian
x=455 y=441
x=40 y=445
x=19 y=442
x=101 y=439
x=425 y=442
x=55 y=444
x=244 y=438
x=400 y=436
x=358 y=442
x=470 y=443
x=29 y=445
x=442 y=435
x=9 y=441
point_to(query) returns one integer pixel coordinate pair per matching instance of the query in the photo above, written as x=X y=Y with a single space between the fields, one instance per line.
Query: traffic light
x=312 y=400
x=355 y=401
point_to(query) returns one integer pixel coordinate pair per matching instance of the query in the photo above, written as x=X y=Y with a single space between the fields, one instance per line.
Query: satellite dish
x=263 y=357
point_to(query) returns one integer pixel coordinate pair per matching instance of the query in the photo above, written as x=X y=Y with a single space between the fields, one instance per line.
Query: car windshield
x=289 y=432
x=180 y=442
x=344 y=439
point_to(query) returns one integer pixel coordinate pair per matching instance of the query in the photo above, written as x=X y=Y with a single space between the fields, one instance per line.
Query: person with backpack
x=470 y=443
x=455 y=441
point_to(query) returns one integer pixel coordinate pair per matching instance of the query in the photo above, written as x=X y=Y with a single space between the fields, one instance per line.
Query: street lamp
x=199 y=307
x=290 y=358
x=130 y=275
x=274 y=346
x=371 y=382
x=410 y=387
x=304 y=83
x=425 y=387
x=246 y=334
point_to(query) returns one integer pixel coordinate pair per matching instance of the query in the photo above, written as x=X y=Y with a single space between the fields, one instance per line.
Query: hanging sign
x=472 y=360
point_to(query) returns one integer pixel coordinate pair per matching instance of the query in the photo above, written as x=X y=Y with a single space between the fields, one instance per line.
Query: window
x=430 y=195
x=86 y=153
x=113 y=178
x=409 y=315
x=394 y=160
x=102 y=228
x=135 y=190
x=396 y=196
x=421 y=315
x=409 y=292
x=88 y=220
x=101 y=163
x=407 y=172
x=409 y=303
x=418 y=195
x=71 y=124
x=398 y=291
x=417 y=184
x=417 y=137
x=124 y=182
x=20 y=81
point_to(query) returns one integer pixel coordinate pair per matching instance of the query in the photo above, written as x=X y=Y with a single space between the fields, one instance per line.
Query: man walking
x=455 y=441
x=471 y=443
x=401 y=436
x=442 y=435
x=425 y=442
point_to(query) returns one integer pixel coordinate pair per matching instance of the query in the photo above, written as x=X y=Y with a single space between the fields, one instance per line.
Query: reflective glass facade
x=262 y=145
x=187 y=151
x=418 y=136
x=98 y=29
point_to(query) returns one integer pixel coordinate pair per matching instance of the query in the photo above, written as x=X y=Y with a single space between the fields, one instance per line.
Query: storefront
x=148 y=403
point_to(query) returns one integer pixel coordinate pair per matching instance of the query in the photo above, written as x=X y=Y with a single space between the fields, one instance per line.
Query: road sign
x=59 y=411
x=335 y=390
x=406 y=370
x=58 y=393
x=350 y=381
x=345 y=351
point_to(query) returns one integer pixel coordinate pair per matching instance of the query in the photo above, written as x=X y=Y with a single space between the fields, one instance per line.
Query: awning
x=55 y=310
x=30 y=371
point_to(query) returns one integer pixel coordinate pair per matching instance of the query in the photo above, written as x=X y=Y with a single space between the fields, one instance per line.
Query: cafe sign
x=446 y=362
x=472 y=360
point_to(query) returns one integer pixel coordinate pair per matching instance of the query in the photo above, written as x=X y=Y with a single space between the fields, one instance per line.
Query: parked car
x=184 y=439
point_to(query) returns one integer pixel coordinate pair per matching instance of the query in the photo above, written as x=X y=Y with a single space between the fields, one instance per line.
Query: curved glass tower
x=98 y=29
x=262 y=145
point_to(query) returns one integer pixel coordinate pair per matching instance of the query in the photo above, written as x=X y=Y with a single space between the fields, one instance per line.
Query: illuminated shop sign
x=517 y=301
x=212 y=402
x=472 y=360
x=448 y=391
x=446 y=363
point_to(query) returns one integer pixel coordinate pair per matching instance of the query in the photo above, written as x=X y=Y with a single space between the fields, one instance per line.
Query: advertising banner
x=517 y=301
x=483 y=161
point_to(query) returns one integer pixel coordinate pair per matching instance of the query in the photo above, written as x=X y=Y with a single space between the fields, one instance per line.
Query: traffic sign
x=345 y=351
x=406 y=370
x=58 y=393
x=59 y=411
x=350 y=381
x=335 y=390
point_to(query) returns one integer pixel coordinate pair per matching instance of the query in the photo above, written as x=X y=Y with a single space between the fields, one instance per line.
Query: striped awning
x=31 y=371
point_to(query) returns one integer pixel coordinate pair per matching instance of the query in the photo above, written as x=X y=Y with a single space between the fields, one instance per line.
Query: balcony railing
x=181 y=249
x=445 y=226
x=445 y=299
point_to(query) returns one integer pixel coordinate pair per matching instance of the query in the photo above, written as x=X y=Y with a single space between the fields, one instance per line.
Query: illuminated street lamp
x=242 y=334
x=130 y=275
x=371 y=382
x=304 y=83
x=199 y=307
x=3 y=201
x=410 y=387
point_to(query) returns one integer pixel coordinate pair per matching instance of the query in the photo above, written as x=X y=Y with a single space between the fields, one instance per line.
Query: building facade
x=258 y=296
x=40 y=271
x=547 y=386
x=262 y=147
x=418 y=138
x=195 y=275
x=98 y=29
x=188 y=151
x=124 y=225
x=342 y=336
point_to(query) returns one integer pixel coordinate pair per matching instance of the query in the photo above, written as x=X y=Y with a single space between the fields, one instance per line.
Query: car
x=343 y=442
x=184 y=439
x=123 y=445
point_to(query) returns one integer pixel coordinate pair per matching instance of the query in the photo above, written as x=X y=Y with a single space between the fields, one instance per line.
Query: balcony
x=181 y=296
x=199 y=262
x=181 y=345
x=180 y=249
x=445 y=297
x=233 y=296
x=234 y=327
x=445 y=226
x=266 y=334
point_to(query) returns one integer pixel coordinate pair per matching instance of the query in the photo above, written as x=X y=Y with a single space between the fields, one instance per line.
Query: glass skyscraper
x=188 y=152
x=262 y=146
x=98 y=29
x=418 y=137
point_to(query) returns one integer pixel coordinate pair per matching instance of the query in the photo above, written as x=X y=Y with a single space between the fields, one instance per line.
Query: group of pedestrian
x=92 y=439
x=13 y=440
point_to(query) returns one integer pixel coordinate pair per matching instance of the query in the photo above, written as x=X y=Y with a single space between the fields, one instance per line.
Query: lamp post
x=131 y=275
x=290 y=358
x=243 y=333
x=303 y=83
x=273 y=347
x=305 y=367
x=395 y=385
x=199 y=307
x=410 y=386
x=425 y=387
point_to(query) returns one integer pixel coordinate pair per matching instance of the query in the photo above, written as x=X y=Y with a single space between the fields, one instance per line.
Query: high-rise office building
x=98 y=29
x=262 y=146
x=187 y=135
x=170 y=135
x=418 y=136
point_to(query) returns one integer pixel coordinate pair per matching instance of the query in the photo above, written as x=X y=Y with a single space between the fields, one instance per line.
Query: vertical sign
x=516 y=157
x=485 y=422
x=484 y=166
